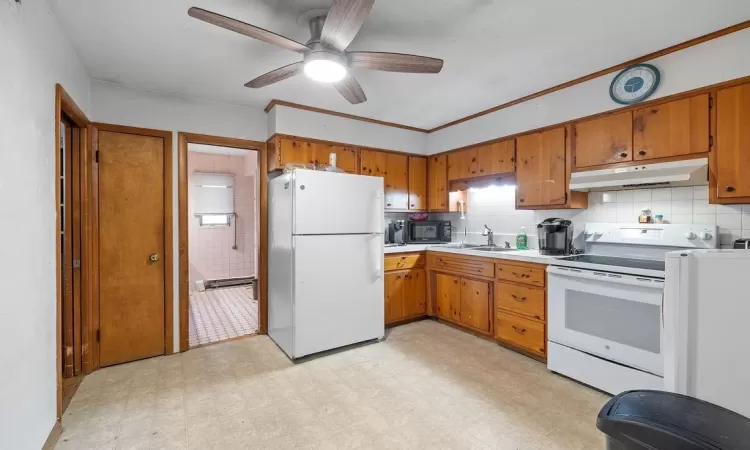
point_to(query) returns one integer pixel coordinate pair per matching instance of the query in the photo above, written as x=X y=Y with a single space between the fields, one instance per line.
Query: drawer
x=524 y=300
x=405 y=261
x=464 y=265
x=521 y=274
x=521 y=332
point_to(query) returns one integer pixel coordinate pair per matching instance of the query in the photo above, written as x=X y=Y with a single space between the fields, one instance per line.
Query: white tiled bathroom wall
x=495 y=206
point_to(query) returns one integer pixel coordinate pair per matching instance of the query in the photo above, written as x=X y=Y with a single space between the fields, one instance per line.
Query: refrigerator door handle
x=378 y=237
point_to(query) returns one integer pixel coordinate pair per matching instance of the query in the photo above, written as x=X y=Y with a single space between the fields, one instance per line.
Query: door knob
x=154 y=257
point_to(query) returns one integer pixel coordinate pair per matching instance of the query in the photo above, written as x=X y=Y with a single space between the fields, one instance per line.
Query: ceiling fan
x=325 y=58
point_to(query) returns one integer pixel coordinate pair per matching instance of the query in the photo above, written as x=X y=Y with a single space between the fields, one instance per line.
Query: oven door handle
x=633 y=280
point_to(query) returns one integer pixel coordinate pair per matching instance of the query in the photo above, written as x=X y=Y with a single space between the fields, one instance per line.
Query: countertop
x=531 y=256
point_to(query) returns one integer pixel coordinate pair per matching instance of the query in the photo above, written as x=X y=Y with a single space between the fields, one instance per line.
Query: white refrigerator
x=325 y=260
x=706 y=311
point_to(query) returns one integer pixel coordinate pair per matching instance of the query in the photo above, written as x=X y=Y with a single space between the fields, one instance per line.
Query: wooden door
x=671 y=129
x=437 y=183
x=131 y=246
x=393 y=167
x=606 y=140
x=540 y=171
x=394 y=295
x=414 y=293
x=417 y=183
x=733 y=142
x=308 y=152
x=497 y=158
x=475 y=304
x=448 y=293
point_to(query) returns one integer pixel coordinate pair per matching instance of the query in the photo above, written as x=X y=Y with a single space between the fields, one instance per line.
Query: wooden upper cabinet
x=417 y=183
x=671 y=129
x=732 y=153
x=484 y=160
x=289 y=150
x=497 y=158
x=541 y=175
x=437 y=183
x=606 y=140
x=475 y=304
x=462 y=164
x=393 y=167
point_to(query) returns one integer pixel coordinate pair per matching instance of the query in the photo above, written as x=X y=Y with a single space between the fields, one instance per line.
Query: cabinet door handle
x=519 y=330
x=623 y=155
x=730 y=189
x=642 y=153
x=515 y=297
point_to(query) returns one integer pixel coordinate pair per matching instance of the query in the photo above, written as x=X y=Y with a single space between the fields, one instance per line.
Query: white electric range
x=605 y=325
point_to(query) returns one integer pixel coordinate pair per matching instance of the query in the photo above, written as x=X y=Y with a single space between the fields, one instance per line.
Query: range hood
x=691 y=172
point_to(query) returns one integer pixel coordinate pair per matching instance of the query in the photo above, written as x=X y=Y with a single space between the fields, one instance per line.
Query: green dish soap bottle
x=522 y=241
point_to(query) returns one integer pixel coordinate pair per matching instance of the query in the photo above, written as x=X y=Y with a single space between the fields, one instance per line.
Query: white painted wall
x=712 y=62
x=35 y=55
x=121 y=105
x=299 y=122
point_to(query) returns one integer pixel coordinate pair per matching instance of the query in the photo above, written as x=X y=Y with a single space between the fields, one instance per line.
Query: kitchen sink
x=492 y=248
x=461 y=245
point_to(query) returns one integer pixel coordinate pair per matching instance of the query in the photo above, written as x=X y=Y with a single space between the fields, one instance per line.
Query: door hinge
x=710 y=142
x=98 y=336
x=96 y=156
x=566 y=132
x=76 y=263
x=710 y=102
x=566 y=199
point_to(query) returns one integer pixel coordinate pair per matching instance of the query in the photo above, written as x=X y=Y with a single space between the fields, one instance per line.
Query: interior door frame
x=66 y=106
x=168 y=230
x=183 y=139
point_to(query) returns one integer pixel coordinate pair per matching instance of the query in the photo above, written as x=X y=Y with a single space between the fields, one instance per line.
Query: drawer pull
x=522 y=275
x=515 y=297
x=519 y=330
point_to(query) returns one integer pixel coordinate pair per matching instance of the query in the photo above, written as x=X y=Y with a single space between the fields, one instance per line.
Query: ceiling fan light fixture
x=325 y=70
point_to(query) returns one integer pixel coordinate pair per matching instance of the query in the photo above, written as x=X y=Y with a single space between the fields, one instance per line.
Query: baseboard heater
x=226 y=282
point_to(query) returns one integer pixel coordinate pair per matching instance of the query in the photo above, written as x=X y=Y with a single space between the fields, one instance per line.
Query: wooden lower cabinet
x=521 y=332
x=476 y=304
x=448 y=294
x=404 y=295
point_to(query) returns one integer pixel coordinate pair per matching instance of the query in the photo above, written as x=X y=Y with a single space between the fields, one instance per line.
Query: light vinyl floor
x=426 y=386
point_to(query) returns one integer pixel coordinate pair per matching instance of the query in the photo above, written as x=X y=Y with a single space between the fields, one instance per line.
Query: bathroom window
x=214 y=219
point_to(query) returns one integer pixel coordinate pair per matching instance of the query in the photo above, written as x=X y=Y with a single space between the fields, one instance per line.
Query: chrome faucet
x=490 y=236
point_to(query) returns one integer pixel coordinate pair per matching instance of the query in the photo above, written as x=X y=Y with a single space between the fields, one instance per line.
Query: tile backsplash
x=495 y=206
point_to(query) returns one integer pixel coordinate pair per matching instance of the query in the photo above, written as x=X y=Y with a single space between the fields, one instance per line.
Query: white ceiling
x=494 y=51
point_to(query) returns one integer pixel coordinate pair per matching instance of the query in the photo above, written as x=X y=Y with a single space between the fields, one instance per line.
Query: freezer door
x=338 y=291
x=337 y=203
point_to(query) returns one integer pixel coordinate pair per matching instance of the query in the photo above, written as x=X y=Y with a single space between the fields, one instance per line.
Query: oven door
x=616 y=317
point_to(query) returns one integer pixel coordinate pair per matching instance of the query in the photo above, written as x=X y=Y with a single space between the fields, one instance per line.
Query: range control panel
x=661 y=235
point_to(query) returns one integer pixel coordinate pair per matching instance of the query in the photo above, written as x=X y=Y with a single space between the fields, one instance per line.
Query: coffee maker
x=555 y=237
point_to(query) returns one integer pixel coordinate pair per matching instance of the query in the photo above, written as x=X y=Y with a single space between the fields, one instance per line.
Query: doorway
x=222 y=243
x=258 y=287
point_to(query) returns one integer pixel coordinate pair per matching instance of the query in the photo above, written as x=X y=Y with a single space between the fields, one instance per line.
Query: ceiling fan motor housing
x=320 y=52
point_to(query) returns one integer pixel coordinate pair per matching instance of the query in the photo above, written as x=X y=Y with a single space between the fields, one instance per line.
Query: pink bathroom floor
x=221 y=314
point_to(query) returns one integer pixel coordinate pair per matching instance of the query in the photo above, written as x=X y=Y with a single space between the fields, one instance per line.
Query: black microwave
x=428 y=231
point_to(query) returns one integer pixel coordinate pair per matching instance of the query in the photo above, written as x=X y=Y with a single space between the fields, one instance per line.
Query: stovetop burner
x=615 y=261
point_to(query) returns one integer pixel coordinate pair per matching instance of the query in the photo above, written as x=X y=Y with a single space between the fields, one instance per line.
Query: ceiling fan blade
x=274 y=76
x=343 y=22
x=247 y=29
x=351 y=90
x=395 y=62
